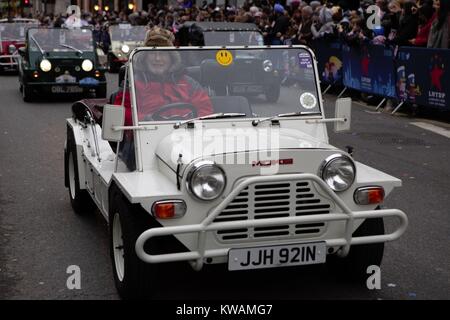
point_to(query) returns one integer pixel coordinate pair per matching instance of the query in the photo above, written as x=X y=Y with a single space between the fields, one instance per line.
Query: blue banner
x=423 y=76
x=369 y=68
x=329 y=61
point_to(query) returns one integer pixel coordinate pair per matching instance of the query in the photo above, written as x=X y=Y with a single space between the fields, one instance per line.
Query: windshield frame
x=130 y=73
x=117 y=26
x=27 y=26
x=210 y=32
x=89 y=29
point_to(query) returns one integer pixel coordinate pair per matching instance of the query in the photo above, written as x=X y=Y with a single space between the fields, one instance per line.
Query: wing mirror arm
x=342 y=116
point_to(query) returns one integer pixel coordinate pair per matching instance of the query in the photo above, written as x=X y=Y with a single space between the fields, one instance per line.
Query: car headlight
x=338 y=171
x=45 y=65
x=12 y=49
x=125 y=48
x=267 y=66
x=206 y=180
x=87 y=65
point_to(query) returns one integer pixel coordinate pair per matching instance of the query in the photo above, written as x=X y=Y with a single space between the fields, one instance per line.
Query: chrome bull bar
x=12 y=60
x=207 y=225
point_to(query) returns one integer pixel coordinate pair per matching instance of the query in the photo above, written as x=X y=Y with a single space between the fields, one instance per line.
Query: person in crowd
x=440 y=28
x=280 y=25
x=304 y=34
x=426 y=18
x=329 y=17
x=408 y=25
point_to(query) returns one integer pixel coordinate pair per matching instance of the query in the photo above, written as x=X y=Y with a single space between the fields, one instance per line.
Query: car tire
x=273 y=93
x=27 y=93
x=80 y=199
x=113 y=67
x=134 y=279
x=100 y=93
x=354 y=267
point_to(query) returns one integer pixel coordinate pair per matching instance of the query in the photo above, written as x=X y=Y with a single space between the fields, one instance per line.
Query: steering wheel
x=177 y=105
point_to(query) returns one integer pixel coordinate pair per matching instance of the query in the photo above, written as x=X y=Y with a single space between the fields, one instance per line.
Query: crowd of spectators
x=424 y=23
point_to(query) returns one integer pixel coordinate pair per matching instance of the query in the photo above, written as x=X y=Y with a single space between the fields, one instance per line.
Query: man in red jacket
x=163 y=91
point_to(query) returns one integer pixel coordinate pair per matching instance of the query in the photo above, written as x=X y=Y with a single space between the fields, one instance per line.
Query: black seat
x=215 y=77
x=195 y=73
x=227 y=104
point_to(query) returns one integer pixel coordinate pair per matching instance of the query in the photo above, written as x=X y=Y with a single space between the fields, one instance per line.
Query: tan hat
x=159 y=37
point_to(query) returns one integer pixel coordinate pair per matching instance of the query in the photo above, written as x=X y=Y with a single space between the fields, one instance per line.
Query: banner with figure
x=329 y=61
x=423 y=76
x=369 y=68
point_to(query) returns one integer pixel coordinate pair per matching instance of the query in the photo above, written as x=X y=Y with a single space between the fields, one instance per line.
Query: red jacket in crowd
x=421 y=39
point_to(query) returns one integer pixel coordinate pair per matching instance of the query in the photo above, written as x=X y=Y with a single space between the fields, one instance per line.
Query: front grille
x=274 y=200
x=65 y=62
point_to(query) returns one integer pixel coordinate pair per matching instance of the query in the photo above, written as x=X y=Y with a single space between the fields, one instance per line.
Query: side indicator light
x=369 y=195
x=169 y=209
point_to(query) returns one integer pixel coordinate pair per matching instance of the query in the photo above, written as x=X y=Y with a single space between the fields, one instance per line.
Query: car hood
x=4 y=45
x=194 y=144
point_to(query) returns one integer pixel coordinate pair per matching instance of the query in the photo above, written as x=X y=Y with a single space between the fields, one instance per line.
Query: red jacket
x=423 y=32
x=150 y=96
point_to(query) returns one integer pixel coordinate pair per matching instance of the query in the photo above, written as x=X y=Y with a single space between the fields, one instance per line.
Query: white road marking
x=432 y=128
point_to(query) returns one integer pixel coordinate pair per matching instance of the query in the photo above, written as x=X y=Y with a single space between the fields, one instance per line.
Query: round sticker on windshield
x=308 y=100
x=224 y=58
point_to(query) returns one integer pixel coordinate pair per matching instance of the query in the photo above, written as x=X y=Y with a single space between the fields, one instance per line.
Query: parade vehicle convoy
x=124 y=39
x=248 y=184
x=59 y=61
x=12 y=37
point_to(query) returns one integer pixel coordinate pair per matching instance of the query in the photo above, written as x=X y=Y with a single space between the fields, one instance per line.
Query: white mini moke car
x=182 y=173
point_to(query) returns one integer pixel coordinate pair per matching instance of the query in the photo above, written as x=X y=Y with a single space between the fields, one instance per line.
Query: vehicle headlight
x=206 y=180
x=11 y=49
x=125 y=48
x=267 y=66
x=338 y=171
x=45 y=65
x=87 y=65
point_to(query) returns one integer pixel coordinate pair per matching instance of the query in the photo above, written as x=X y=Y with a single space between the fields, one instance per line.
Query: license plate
x=244 y=88
x=277 y=256
x=66 y=89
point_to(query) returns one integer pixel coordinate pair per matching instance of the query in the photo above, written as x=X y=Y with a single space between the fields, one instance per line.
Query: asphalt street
x=40 y=236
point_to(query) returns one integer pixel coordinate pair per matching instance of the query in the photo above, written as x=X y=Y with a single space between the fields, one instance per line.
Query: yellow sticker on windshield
x=224 y=58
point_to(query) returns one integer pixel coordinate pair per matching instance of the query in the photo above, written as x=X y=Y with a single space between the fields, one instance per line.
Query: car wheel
x=100 y=93
x=134 y=279
x=354 y=266
x=273 y=93
x=27 y=93
x=80 y=199
x=113 y=67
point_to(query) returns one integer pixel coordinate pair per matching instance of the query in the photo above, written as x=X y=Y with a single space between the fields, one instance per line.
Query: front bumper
x=207 y=225
x=49 y=87
x=9 y=61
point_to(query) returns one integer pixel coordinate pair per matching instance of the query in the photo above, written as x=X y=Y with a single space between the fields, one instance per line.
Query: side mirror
x=344 y=111
x=113 y=116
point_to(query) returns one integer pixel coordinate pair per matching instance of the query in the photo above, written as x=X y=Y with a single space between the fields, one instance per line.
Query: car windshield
x=61 y=40
x=181 y=84
x=233 y=38
x=127 y=32
x=14 y=31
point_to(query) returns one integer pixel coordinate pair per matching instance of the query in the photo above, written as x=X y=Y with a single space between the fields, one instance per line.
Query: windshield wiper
x=70 y=47
x=37 y=44
x=283 y=115
x=219 y=115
